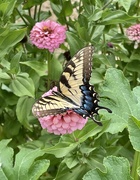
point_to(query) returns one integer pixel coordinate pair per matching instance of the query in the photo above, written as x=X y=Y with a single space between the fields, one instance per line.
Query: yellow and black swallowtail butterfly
x=74 y=91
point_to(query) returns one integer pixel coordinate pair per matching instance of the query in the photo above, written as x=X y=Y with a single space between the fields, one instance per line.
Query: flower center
x=46 y=30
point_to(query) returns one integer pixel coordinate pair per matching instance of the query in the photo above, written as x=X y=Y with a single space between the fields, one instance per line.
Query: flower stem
x=135 y=75
x=136 y=164
x=137 y=5
x=49 y=57
x=22 y=17
x=35 y=12
x=39 y=11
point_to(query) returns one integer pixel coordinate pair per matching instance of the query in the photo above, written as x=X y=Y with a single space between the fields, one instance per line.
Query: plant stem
x=136 y=164
x=137 y=5
x=135 y=76
x=49 y=57
x=35 y=12
x=21 y=17
x=39 y=11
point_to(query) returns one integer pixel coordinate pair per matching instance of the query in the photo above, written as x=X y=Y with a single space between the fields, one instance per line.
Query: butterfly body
x=74 y=90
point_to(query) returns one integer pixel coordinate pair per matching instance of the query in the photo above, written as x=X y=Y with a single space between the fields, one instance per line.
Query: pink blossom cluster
x=48 y=35
x=133 y=33
x=64 y=123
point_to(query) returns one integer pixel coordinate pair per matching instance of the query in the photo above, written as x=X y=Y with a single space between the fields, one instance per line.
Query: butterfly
x=74 y=90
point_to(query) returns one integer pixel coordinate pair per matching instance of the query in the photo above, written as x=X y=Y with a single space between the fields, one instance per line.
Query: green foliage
x=115 y=167
x=26 y=72
x=24 y=166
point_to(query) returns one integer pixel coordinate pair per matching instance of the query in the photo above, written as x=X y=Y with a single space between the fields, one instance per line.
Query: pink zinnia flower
x=48 y=35
x=133 y=33
x=64 y=123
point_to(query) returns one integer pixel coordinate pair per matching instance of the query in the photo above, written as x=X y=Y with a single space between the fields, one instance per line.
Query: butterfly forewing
x=77 y=72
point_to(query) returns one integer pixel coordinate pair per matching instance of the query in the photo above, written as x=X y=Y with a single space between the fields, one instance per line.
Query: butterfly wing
x=69 y=94
x=52 y=105
x=77 y=72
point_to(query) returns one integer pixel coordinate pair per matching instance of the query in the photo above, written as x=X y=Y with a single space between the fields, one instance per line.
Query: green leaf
x=11 y=39
x=96 y=31
x=14 y=66
x=123 y=56
x=133 y=66
x=6 y=160
x=24 y=160
x=22 y=86
x=126 y=4
x=29 y=19
x=23 y=110
x=96 y=78
x=4 y=76
x=56 y=7
x=7 y=8
x=115 y=168
x=14 y=131
x=25 y=164
x=122 y=101
x=67 y=143
x=134 y=122
x=76 y=173
x=55 y=69
x=82 y=32
x=134 y=132
x=29 y=4
x=74 y=42
x=115 y=17
x=67 y=8
x=40 y=67
x=38 y=168
x=97 y=14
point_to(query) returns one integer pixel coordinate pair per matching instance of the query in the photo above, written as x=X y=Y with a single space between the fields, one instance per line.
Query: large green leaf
x=55 y=69
x=126 y=4
x=75 y=173
x=116 y=168
x=14 y=65
x=6 y=160
x=23 y=110
x=25 y=163
x=74 y=42
x=22 y=85
x=67 y=9
x=4 y=76
x=134 y=66
x=38 y=168
x=134 y=123
x=6 y=8
x=122 y=101
x=40 y=67
x=134 y=132
x=9 y=40
x=115 y=17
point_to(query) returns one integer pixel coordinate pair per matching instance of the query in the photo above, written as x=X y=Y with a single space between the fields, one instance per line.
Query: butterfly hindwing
x=52 y=105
